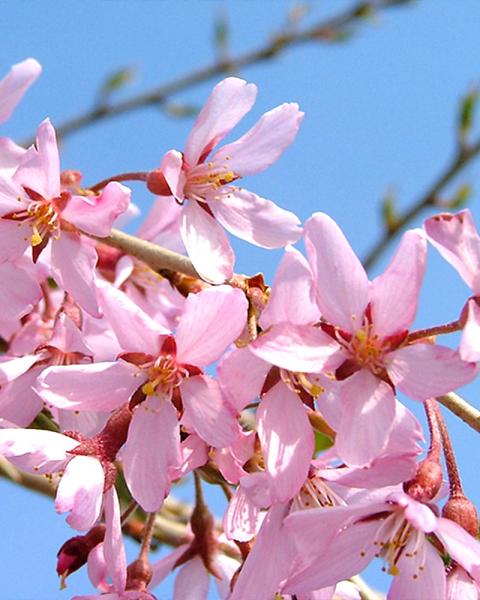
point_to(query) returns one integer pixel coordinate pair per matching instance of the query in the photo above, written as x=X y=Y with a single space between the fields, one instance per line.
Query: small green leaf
x=389 y=212
x=461 y=197
x=466 y=114
x=322 y=442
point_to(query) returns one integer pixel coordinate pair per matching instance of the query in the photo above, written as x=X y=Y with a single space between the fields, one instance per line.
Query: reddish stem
x=436 y=330
x=430 y=406
x=453 y=475
x=134 y=176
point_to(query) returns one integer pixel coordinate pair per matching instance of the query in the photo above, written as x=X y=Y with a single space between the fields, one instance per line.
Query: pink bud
x=460 y=510
x=427 y=481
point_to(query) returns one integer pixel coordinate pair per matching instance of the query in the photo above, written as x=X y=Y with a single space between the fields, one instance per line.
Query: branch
x=326 y=31
x=460 y=407
x=154 y=256
x=463 y=157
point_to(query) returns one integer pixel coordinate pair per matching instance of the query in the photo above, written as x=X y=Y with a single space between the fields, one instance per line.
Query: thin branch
x=460 y=407
x=463 y=157
x=326 y=31
x=154 y=256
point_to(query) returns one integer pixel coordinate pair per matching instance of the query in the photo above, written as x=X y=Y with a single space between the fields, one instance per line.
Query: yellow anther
x=148 y=388
x=36 y=239
x=393 y=570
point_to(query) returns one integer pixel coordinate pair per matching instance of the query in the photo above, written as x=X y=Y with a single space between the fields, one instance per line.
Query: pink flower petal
x=470 y=343
x=134 y=329
x=295 y=347
x=15 y=84
x=81 y=491
x=113 y=547
x=461 y=546
x=163 y=216
x=241 y=376
x=251 y=217
x=262 y=583
x=417 y=583
x=74 y=265
x=11 y=368
x=293 y=295
x=35 y=450
x=12 y=196
x=19 y=292
x=96 y=215
x=287 y=441
x=173 y=172
x=229 y=102
x=264 y=143
x=153 y=446
x=211 y=321
x=346 y=555
x=192 y=581
x=99 y=386
x=425 y=370
x=342 y=284
x=40 y=169
x=15 y=239
x=394 y=294
x=226 y=567
x=368 y=413
x=162 y=567
x=19 y=403
x=242 y=518
x=457 y=240
x=207 y=411
x=10 y=156
x=207 y=244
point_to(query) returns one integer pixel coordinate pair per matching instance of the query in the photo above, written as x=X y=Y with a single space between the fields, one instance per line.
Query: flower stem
x=436 y=330
x=133 y=176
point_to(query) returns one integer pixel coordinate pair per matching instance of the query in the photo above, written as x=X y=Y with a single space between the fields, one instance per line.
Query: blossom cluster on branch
x=321 y=463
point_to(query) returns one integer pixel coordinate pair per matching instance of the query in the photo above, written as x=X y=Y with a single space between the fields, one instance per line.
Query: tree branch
x=326 y=31
x=460 y=407
x=463 y=157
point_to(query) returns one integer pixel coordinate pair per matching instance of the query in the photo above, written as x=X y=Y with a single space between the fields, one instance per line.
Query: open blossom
x=35 y=210
x=457 y=240
x=160 y=371
x=406 y=534
x=363 y=339
x=205 y=181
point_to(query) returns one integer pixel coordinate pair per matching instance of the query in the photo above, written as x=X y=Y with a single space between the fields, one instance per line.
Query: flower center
x=366 y=347
x=207 y=182
x=392 y=538
x=43 y=219
x=315 y=493
x=163 y=375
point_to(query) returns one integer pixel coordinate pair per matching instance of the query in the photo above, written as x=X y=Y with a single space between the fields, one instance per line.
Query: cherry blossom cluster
x=286 y=395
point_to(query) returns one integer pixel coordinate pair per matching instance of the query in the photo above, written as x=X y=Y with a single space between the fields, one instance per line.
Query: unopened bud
x=74 y=552
x=427 y=482
x=157 y=184
x=139 y=574
x=460 y=510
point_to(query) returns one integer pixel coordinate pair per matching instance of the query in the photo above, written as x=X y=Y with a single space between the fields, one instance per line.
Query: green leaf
x=467 y=113
x=322 y=442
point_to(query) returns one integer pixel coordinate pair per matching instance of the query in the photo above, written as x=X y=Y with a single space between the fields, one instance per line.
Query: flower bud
x=74 y=552
x=460 y=510
x=157 y=184
x=427 y=481
x=139 y=574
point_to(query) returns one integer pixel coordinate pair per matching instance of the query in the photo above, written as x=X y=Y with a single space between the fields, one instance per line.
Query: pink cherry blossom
x=457 y=240
x=362 y=338
x=35 y=210
x=155 y=365
x=205 y=181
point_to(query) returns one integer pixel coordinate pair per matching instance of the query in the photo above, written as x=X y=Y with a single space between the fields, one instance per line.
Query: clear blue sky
x=380 y=114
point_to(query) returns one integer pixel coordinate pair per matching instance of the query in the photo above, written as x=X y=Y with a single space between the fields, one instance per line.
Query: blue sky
x=380 y=115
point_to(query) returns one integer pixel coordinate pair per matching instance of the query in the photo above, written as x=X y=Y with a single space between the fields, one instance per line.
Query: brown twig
x=326 y=31
x=154 y=256
x=463 y=157
x=460 y=407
